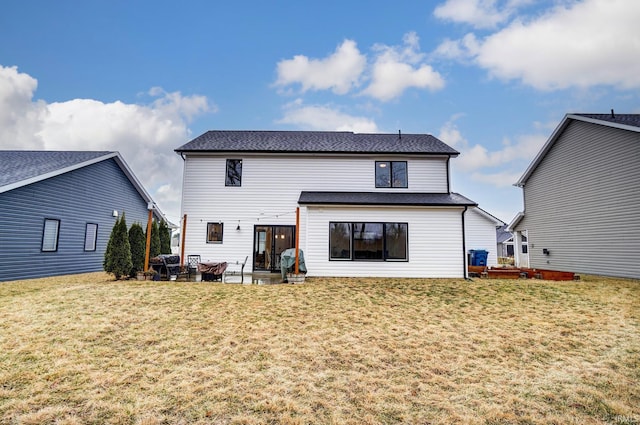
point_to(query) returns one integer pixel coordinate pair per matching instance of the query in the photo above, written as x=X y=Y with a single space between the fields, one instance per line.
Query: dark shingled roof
x=624 y=119
x=16 y=166
x=384 y=198
x=316 y=142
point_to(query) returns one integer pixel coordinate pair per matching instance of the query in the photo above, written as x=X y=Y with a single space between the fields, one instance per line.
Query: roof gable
x=630 y=122
x=316 y=142
x=22 y=168
x=25 y=167
x=489 y=217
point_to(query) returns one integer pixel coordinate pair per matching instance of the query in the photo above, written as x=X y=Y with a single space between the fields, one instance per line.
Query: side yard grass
x=85 y=349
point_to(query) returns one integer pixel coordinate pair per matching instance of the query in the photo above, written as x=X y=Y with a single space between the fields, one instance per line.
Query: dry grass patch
x=85 y=349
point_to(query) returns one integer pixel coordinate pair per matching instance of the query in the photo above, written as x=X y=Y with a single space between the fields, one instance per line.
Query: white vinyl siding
x=582 y=202
x=271 y=186
x=481 y=235
x=435 y=242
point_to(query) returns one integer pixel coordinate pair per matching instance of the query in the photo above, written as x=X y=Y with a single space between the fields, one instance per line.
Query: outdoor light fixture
x=114 y=213
x=238 y=227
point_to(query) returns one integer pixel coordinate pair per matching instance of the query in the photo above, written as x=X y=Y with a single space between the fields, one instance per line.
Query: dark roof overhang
x=385 y=199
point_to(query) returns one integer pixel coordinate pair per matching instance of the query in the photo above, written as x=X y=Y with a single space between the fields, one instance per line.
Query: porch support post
x=297 y=239
x=517 y=248
x=182 y=236
x=148 y=246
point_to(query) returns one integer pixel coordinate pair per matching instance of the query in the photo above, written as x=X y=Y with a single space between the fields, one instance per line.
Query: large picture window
x=234 y=172
x=391 y=174
x=90 y=236
x=368 y=241
x=50 y=234
x=214 y=232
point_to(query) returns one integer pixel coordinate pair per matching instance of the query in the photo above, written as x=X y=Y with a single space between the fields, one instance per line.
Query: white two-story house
x=370 y=204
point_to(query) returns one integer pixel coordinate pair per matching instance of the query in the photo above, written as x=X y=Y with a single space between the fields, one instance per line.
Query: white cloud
x=500 y=179
x=582 y=45
x=325 y=118
x=393 y=69
x=478 y=13
x=19 y=114
x=145 y=135
x=475 y=157
x=465 y=48
x=397 y=68
x=340 y=71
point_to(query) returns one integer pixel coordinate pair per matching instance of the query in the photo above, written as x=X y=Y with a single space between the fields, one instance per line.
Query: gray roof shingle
x=317 y=142
x=16 y=166
x=625 y=119
x=384 y=198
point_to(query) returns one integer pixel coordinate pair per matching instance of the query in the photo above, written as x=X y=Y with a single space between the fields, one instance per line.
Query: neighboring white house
x=582 y=197
x=506 y=245
x=481 y=234
x=370 y=204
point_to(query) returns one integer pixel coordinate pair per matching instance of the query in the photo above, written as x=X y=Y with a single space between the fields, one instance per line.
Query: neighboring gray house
x=57 y=210
x=582 y=197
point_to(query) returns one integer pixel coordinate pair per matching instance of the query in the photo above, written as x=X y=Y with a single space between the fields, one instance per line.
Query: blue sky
x=492 y=78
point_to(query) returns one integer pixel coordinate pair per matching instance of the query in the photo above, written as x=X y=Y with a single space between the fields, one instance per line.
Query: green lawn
x=86 y=349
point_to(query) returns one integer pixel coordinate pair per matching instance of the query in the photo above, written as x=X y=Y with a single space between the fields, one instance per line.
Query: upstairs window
x=234 y=172
x=50 y=234
x=391 y=174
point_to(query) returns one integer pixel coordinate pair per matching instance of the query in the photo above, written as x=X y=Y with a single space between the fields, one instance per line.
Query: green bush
x=138 y=242
x=165 y=238
x=117 y=257
x=154 y=250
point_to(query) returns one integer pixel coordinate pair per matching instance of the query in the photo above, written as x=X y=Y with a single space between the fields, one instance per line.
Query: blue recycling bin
x=479 y=257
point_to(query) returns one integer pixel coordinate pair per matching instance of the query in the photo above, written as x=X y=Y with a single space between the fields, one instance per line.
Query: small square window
x=50 y=233
x=234 y=172
x=90 y=237
x=214 y=232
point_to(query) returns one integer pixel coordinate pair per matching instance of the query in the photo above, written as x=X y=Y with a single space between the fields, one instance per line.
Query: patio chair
x=192 y=264
x=235 y=272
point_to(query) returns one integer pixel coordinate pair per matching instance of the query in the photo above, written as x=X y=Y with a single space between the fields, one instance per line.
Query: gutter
x=464 y=247
x=448 y=178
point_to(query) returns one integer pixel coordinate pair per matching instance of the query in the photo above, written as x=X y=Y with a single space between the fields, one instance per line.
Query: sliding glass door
x=269 y=242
